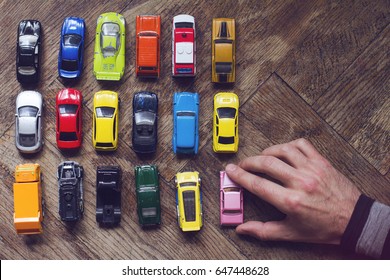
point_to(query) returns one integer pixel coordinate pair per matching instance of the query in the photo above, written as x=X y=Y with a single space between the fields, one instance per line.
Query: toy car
x=223 y=65
x=70 y=186
x=28 y=203
x=28 y=51
x=28 y=123
x=232 y=201
x=144 y=136
x=185 y=139
x=69 y=119
x=148 y=46
x=189 y=201
x=71 y=54
x=105 y=120
x=108 y=195
x=109 y=57
x=183 y=46
x=148 y=195
x=225 y=125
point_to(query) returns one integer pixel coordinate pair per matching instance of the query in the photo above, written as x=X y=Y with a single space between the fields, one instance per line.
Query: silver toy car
x=28 y=123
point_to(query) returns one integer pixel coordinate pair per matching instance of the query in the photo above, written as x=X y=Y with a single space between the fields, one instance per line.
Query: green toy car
x=148 y=195
x=109 y=56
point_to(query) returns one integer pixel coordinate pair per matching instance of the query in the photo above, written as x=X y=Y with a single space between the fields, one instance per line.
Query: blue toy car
x=70 y=57
x=185 y=139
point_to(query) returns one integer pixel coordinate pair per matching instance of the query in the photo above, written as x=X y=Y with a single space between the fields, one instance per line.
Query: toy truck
x=28 y=212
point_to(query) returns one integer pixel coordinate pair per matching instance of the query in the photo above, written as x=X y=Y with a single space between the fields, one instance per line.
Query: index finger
x=263 y=188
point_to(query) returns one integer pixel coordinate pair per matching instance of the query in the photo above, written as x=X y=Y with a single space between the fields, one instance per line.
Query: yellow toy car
x=189 y=201
x=109 y=56
x=223 y=51
x=105 y=120
x=28 y=213
x=225 y=124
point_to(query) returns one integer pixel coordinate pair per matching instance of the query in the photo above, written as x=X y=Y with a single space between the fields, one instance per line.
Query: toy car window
x=231 y=189
x=27 y=140
x=145 y=118
x=27 y=111
x=68 y=136
x=226 y=113
x=109 y=40
x=182 y=114
x=148 y=33
x=184 y=25
x=223 y=67
x=68 y=109
x=67 y=172
x=27 y=41
x=225 y=140
x=188 y=184
x=149 y=212
x=189 y=205
x=26 y=70
x=72 y=40
x=105 y=112
x=69 y=65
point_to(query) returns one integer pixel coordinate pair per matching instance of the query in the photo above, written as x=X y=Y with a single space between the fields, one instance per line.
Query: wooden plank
x=284 y=117
x=345 y=29
x=357 y=106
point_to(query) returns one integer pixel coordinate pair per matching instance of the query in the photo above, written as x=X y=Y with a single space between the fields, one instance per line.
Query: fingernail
x=231 y=167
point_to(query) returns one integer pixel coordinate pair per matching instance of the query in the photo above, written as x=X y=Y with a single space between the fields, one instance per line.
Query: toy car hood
x=29 y=98
x=183 y=18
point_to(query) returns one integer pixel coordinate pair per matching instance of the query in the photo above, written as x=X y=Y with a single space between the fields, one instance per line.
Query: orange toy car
x=28 y=213
x=148 y=46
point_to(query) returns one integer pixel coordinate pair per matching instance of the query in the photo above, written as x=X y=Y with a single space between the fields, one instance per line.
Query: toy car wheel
x=43 y=208
x=175 y=180
x=199 y=180
x=81 y=207
x=178 y=215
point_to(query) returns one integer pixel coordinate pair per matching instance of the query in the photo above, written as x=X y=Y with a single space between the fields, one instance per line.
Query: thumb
x=274 y=230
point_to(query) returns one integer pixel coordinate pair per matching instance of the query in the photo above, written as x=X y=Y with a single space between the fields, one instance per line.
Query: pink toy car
x=232 y=202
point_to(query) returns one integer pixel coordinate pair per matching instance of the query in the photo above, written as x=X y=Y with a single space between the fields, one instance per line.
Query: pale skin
x=317 y=199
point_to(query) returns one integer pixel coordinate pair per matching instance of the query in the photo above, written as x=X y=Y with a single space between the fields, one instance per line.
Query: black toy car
x=28 y=51
x=145 y=107
x=70 y=185
x=108 y=195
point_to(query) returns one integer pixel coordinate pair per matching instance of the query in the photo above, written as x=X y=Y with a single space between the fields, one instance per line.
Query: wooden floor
x=313 y=69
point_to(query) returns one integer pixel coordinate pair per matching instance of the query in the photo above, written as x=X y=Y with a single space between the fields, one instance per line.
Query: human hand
x=317 y=199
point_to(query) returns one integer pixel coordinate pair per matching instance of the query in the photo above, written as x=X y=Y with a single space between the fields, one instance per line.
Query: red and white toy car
x=69 y=119
x=183 y=46
x=232 y=201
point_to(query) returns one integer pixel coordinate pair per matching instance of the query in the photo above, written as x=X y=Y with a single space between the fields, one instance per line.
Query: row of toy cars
x=105 y=121
x=109 y=52
x=29 y=208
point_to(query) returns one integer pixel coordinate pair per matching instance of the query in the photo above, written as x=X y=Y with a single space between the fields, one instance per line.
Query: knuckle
x=310 y=184
x=287 y=148
x=303 y=142
x=264 y=233
x=293 y=203
x=267 y=161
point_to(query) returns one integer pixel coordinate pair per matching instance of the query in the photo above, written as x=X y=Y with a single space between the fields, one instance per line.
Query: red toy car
x=69 y=119
x=183 y=46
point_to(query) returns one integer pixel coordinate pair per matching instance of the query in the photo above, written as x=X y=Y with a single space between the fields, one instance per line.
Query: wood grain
x=357 y=105
x=344 y=29
x=277 y=66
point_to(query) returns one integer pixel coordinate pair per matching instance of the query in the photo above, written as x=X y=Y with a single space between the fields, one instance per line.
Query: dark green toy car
x=148 y=195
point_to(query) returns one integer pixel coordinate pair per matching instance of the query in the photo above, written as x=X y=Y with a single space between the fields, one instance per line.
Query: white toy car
x=28 y=123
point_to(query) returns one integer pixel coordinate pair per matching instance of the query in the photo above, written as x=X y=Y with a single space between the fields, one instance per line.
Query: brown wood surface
x=314 y=69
